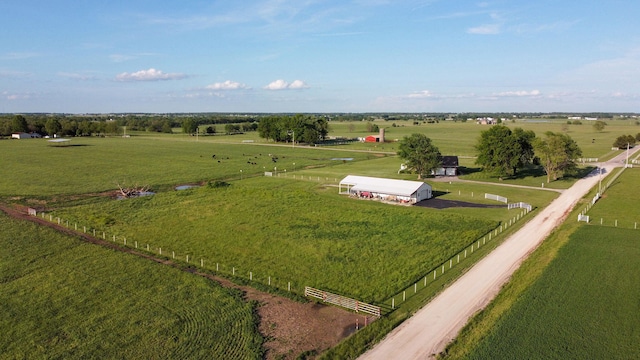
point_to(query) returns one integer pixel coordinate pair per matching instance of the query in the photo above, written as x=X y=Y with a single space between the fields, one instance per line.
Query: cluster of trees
x=503 y=152
x=623 y=141
x=500 y=151
x=299 y=128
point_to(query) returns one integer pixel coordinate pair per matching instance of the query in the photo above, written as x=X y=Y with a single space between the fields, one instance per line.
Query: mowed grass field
x=62 y=298
x=584 y=306
x=620 y=202
x=292 y=231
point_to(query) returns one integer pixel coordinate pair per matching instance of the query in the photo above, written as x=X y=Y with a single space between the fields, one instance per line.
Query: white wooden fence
x=495 y=197
x=342 y=301
x=519 y=205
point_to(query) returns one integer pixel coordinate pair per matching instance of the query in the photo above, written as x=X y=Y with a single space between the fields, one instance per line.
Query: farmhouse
x=402 y=191
x=449 y=166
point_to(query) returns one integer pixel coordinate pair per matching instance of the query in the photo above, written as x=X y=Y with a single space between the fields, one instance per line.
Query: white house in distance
x=402 y=191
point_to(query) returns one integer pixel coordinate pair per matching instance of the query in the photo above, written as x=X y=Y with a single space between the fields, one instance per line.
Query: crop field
x=62 y=298
x=292 y=231
x=619 y=203
x=584 y=306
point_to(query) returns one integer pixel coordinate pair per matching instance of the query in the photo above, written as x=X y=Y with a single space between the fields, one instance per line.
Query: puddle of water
x=186 y=187
x=342 y=159
x=142 y=193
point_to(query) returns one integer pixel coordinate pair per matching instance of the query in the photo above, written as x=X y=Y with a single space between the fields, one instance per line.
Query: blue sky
x=319 y=56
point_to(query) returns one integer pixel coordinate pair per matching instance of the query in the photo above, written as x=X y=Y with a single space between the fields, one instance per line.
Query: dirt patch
x=289 y=327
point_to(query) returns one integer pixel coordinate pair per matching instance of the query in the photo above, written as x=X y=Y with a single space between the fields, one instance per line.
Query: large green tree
x=420 y=154
x=189 y=126
x=52 y=126
x=19 y=124
x=599 y=125
x=558 y=153
x=623 y=141
x=503 y=151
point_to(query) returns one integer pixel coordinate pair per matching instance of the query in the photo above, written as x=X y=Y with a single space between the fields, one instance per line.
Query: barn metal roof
x=382 y=185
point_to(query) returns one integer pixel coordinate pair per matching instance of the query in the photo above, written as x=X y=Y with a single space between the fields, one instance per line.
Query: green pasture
x=65 y=299
x=36 y=168
x=620 y=202
x=292 y=231
x=584 y=306
x=457 y=138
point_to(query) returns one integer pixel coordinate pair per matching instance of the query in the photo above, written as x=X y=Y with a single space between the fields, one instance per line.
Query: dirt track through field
x=427 y=333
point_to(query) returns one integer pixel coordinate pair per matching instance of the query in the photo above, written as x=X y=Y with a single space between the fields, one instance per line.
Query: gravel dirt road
x=428 y=332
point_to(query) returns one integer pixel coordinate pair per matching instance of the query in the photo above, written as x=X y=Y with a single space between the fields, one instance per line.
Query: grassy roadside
x=528 y=273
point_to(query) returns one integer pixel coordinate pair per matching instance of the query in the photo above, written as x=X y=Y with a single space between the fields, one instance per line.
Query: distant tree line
x=307 y=129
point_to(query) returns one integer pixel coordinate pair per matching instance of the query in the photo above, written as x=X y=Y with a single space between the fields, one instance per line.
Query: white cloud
x=420 y=94
x=489 y=29
x=11 y=97
x=76 y=76
x=518 y=93
x=227 y=85
x=120 y=57
x=149 y=75
x=19 y=55
x=298 y=84
x=14 y=74
x=283 y=85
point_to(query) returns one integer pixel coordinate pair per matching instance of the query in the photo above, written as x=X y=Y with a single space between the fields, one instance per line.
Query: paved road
x=428 y=332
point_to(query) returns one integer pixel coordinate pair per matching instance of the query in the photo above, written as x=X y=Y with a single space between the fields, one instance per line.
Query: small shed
x=449 y=166
x=392 y=190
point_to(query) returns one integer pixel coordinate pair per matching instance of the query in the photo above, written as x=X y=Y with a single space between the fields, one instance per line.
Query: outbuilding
x=24 y=135
x=449 y=167
x=392 y=190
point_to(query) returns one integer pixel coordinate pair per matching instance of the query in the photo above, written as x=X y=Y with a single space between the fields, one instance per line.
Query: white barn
x=403 y=191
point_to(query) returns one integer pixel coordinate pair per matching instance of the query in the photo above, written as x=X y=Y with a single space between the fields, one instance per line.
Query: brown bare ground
x=288 y=327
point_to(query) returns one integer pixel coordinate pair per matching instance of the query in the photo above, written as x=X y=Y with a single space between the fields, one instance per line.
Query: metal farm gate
x=342 y=301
